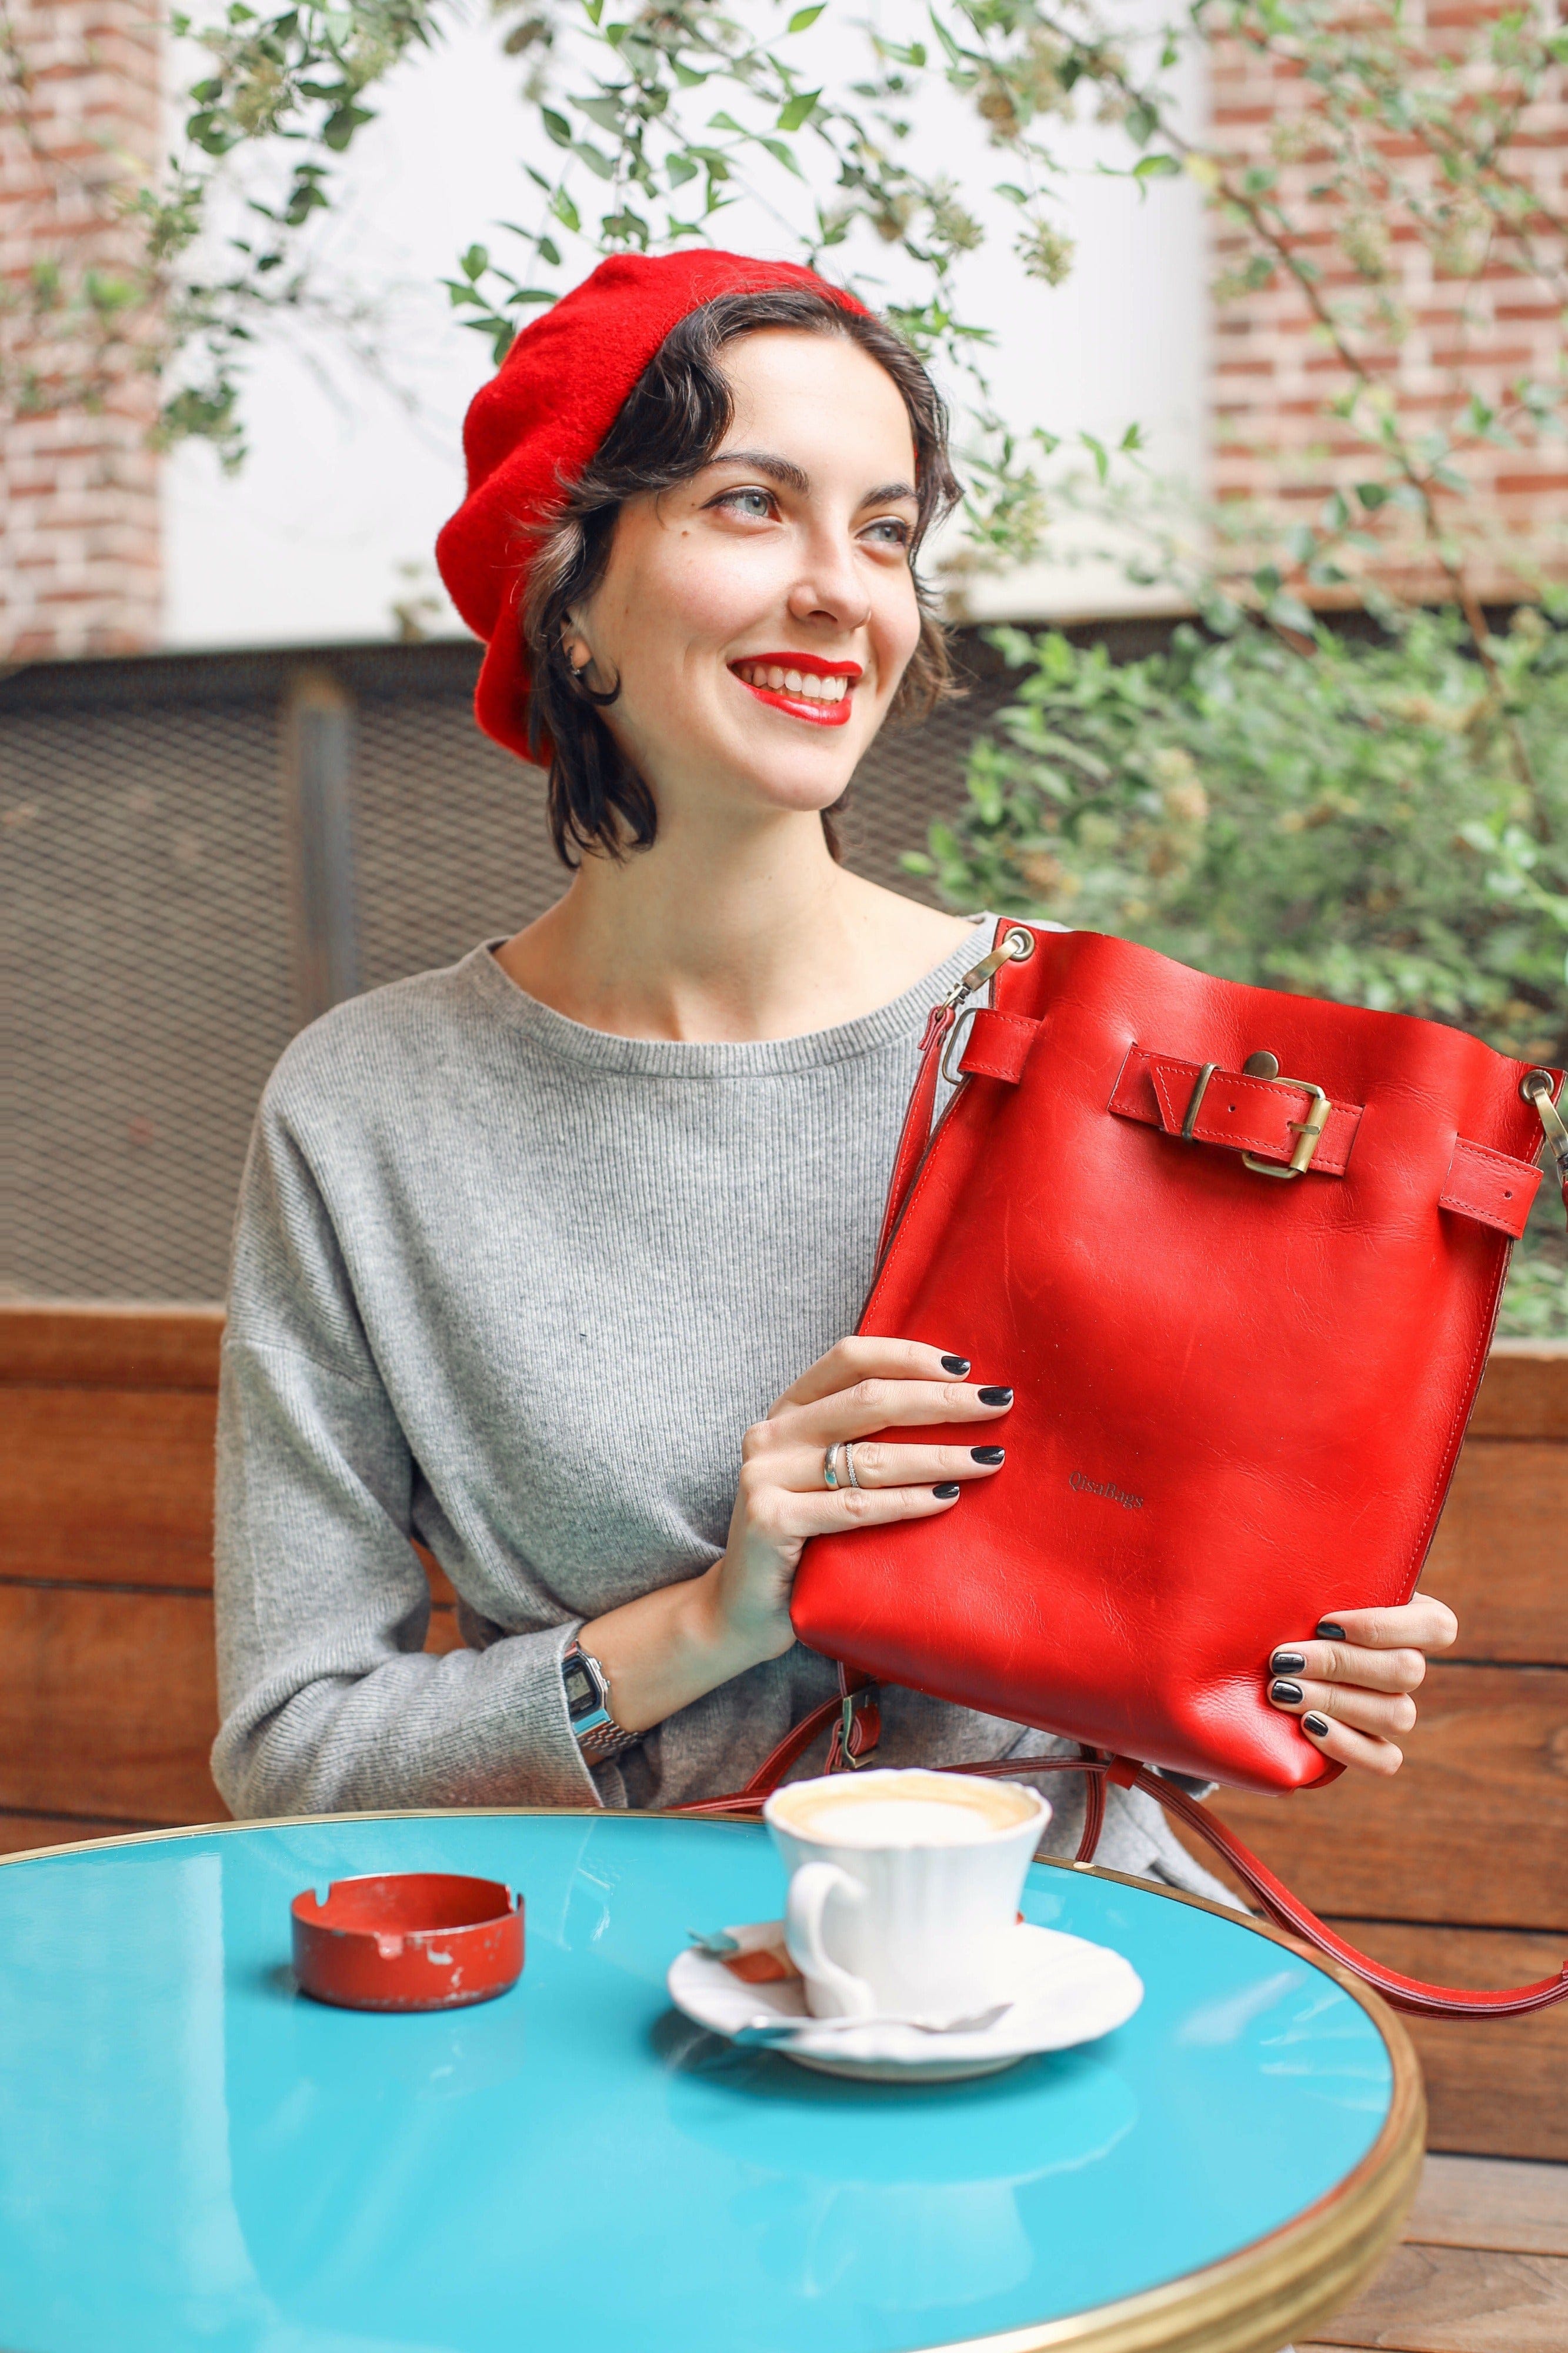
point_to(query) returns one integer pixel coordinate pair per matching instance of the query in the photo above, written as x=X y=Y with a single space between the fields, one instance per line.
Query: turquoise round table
x=196 y=2155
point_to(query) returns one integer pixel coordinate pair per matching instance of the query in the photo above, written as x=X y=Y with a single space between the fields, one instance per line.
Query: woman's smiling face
x=760 y=616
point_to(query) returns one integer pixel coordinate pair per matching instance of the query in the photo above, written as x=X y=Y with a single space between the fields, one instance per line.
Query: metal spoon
x=761 y=2034
x=717 y=1943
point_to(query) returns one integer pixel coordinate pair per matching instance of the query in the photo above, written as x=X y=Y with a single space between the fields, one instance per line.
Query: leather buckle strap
x=1281 y=1127
x=1307 y=1132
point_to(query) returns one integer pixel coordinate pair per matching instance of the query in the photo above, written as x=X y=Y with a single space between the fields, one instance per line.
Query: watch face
x=582 y=1694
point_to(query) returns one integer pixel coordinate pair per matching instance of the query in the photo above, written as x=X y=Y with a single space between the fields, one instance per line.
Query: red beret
x=540 y=418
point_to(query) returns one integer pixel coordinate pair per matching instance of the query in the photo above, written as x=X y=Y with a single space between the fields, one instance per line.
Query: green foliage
x=633 y=151
x=640 y=131
x=1535 y=1302
x=671 y=163
x=1349 y=822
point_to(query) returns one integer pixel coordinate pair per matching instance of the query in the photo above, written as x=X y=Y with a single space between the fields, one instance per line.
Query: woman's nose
x=830 y=589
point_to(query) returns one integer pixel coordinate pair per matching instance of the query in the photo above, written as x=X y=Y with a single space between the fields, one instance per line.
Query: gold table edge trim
x=1254 y=2300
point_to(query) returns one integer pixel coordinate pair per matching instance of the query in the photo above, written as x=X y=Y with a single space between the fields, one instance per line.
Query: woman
x=547 y=1259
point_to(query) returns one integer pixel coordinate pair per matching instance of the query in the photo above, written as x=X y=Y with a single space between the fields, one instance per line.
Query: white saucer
x=1064 y=1990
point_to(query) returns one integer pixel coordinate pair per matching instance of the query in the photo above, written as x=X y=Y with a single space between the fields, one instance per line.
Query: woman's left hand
x=1351 y=1686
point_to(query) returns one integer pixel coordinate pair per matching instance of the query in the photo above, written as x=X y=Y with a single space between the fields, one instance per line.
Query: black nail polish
x=1330 y=1630
x=946 y=1492
x=1286 y=1663
x=956 y=1365
x=1287 y=1694
x=988 y=1454
x=1317 y=1725
x=995 y=1396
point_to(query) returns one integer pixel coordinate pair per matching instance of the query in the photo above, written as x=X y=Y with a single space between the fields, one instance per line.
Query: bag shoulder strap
x=1286 y=1911
x=914 y=1136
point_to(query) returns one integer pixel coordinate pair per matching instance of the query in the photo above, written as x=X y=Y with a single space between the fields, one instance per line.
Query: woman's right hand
x=671 y=1646
x=782 y=1499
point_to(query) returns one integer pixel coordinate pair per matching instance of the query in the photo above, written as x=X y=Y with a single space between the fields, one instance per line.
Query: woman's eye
x=757 y=505
x=889 y=530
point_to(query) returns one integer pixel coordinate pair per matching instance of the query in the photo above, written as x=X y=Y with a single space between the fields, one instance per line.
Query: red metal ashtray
x=409 y=1940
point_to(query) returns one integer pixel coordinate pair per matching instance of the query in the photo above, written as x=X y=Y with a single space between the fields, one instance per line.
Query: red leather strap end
x=1491 y=1187
x=1243 y=1115
x=863 y=1695
x=865 y=1731
x=998 y=1045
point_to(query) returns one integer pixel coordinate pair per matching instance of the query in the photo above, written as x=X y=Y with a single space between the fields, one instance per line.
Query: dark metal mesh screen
x=147 y=920
x=150 y=927
x=450 y=845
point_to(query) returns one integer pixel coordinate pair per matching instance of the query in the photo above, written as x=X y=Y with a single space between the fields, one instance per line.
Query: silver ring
x=830 y=1465
x=849 y=1462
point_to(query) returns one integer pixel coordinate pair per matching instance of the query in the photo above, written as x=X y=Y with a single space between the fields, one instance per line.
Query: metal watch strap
x=596 y=1733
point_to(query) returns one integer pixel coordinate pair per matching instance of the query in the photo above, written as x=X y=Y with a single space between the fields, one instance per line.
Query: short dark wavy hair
x=668 y=430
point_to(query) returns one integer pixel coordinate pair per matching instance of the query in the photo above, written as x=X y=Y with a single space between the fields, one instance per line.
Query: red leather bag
x=1239 y=1255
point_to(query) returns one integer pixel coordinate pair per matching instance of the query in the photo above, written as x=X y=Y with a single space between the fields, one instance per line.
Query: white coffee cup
x=904 y=1888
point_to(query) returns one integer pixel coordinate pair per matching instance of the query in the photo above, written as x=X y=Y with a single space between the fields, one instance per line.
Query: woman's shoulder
x=387 y=1042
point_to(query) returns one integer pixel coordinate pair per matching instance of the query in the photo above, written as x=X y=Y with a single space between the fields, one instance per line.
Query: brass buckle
x=1195 y=1100
x=1307 y=1133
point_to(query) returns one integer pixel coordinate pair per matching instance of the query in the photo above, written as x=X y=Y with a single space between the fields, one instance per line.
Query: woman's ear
x=575 y=646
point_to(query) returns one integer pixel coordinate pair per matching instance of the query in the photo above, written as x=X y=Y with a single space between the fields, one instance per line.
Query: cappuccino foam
x=898 y=1821
x=902 y=1809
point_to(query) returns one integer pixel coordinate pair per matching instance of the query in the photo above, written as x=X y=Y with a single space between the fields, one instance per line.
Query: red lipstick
x=818 y=709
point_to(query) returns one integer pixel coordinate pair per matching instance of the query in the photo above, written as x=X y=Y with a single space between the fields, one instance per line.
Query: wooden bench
x=105 y=1615
x=1457 y=1870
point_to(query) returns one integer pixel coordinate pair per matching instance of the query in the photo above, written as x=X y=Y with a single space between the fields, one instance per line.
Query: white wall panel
x=347 y=481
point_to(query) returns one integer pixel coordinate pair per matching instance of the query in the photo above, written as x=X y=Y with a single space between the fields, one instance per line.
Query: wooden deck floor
x=1483 y=2267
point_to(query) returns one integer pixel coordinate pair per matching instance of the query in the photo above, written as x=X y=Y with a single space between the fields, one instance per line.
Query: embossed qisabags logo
x=1087 y=1486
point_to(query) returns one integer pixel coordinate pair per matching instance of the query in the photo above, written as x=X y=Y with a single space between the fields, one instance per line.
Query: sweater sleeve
x=328 y=1703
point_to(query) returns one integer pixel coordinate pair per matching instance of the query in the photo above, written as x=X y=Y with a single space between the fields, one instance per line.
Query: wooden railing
x=108 y=1704
x=1457 y=1868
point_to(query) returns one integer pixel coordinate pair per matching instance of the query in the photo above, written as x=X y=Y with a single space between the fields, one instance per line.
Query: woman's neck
x=748 y=933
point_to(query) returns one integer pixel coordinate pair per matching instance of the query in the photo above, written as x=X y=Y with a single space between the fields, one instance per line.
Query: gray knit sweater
x=515 y=1288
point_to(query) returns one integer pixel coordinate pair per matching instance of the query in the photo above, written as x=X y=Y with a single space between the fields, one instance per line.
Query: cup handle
x=809 y=1890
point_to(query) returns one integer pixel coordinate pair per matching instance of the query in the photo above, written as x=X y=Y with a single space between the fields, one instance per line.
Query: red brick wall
x=1273 y=373
x=79 y=491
